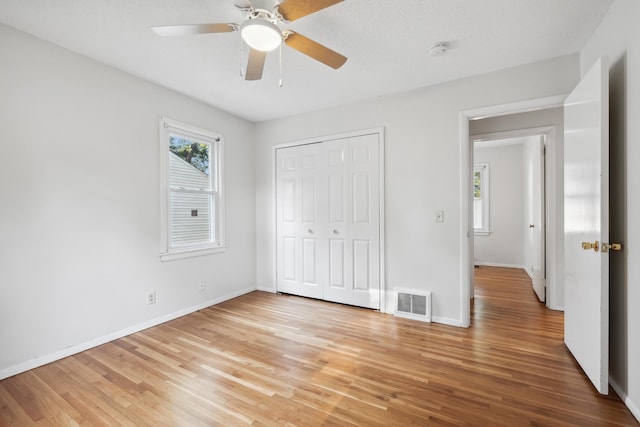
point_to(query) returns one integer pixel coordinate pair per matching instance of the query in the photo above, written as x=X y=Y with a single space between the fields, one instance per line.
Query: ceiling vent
x=413 y=304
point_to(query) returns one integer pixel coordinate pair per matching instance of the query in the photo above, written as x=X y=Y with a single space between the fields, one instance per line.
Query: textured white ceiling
x=387 y=43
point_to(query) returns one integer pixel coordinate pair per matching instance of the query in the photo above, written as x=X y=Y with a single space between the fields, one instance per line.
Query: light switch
x=439 y=216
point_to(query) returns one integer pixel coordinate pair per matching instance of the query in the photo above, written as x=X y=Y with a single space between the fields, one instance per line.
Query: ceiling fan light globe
x=261 y=34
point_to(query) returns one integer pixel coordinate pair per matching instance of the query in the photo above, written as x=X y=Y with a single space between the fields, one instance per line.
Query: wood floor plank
x=264 y=360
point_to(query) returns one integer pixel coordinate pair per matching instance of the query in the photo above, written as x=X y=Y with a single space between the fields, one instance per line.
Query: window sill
x=482 y=233
x=191 y=253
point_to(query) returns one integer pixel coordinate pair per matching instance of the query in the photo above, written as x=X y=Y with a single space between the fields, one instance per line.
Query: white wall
x=618 y=37
x=551 y=117
x=79 y=207
x=505 y=245
x=422 y=170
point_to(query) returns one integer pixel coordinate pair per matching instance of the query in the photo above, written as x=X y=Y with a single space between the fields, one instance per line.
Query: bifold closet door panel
x=301 y=224
x=354 y=218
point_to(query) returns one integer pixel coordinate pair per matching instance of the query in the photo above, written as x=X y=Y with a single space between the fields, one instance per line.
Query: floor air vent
x=413 y=304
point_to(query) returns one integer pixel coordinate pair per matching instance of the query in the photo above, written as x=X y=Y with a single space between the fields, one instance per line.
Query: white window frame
x=483 y=168
x=170 y=127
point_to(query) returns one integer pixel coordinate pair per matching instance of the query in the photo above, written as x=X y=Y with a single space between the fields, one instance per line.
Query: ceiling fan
x=260 y=31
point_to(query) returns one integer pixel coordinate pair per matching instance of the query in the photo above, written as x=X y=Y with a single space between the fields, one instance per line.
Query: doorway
x=509 y=218
x=553 y=181
x=583 y=163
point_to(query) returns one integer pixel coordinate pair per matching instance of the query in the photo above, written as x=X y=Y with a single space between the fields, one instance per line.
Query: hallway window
x=481 y=199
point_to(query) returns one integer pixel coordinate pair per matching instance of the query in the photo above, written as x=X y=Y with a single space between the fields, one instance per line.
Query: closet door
x=328 y=221
x=301 y=229
x=353 y=221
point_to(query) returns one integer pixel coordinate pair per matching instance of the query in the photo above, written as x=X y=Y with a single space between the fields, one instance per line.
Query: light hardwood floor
x=267 y=360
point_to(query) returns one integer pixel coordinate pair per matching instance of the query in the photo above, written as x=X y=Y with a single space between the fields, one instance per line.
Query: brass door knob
x=588 y=245
x=606 y=247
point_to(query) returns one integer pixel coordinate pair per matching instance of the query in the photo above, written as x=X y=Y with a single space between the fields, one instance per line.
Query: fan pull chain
x=241 y=59
x=280 y=54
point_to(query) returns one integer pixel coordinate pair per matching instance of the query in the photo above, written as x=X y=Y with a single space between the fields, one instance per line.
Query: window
x=192 y=210
x=481 y=199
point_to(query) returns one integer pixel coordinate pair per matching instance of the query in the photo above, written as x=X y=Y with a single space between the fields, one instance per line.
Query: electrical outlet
x=201 y=285
x=439 y=216
x=151 y=298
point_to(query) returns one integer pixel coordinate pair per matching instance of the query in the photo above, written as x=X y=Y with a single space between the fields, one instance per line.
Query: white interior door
x=537 y=224
x=328 y=220
x=301 y=229
x=586 y=224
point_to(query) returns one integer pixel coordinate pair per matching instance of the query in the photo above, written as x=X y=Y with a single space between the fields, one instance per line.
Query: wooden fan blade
x=315 y=50
x=255 y=64
x=185 y=30
x=296 y=9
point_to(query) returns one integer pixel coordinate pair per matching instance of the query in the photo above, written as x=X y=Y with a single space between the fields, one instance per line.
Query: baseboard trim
x=446 y=321
x=633 y=408
x=69 y=351
x=434 y=319
x=498 y=264
x=529 y=273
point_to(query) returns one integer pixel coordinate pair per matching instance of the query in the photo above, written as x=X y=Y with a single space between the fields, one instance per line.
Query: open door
x=586 y=224
x=536 y=218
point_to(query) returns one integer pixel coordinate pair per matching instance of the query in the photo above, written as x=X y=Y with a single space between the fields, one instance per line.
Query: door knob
x=588 y=245
x=310 y=231
x=335 y=231
x=531 y=225
x=606 y=247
